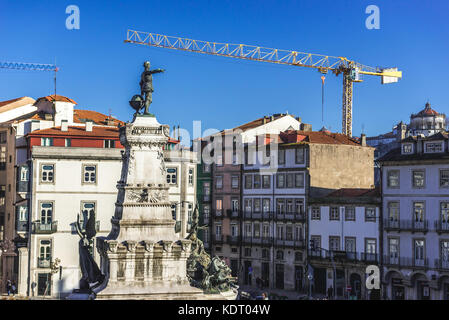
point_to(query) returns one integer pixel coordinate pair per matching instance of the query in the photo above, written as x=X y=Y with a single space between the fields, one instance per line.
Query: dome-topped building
x=427 y=122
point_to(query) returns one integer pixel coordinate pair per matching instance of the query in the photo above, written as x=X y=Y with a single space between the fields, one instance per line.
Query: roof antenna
x=56 y=70
x=322 y=98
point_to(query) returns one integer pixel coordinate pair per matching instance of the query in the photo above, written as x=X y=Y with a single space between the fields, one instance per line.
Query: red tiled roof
x=427 y=111
x=320 y=137
x=80 y=116
x=354 y=192
x=57 y=97
x=97 y=131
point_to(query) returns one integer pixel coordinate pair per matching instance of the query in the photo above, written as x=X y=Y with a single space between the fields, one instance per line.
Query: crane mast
x=351 y=70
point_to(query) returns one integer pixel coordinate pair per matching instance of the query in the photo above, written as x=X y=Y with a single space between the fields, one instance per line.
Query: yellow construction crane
x=351 y=70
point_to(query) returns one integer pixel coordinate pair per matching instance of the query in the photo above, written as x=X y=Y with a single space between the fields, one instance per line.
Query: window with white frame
x=256 y=230
x=46 y=142
x=393 y=211
x=67 y=142
x=280 y=206
x=2 y=158
x=174 y=210
x=248 y=181
x=370 y=214
x=257 y=182
x=280 y=231
x=235 y=206
x=248 y=205
x=334 y=213
x=266 y=181
x=444 y=178
x=248 y=230
x=290 y=180
x=370 y=246
x=280 y=180
x=89 y=174
x=45 y=251
x=87 y=211
x=235 y=182
x=350 y=213
x=206 y=211
x=46 y=213
x=418 y=211
x=234 y=230
x=172 y=175
x=24 y=173
x=407 y=148
x=419 y=178
x=419 y=254
x=218 y=206
x=298 y=232
x=2 y=195
x=393 y=178
x=334 y=243
x=289 y=232
x=218 y=182
x=266 y=230
x=257 y=205
x=316 y=213
x=47 y=173
x=432 y=147
x=266 y=205
x=218 y=232
x=109 y=143
x=444 y=212
x=23 y=213
x=350 y=244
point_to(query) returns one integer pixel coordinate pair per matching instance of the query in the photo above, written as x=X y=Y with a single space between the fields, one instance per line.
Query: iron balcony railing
x=250 y=240
x=45 y=228
x=442 y=264
x=298 y=243
x=339 y=255
x=296 y=216
x=43 y=262
x=270 y=215
x=265 y=215
x=218 y=213
x=406 y=262
x=442 y=226
x=218 y=238
x=406 y=225
x=233 y=213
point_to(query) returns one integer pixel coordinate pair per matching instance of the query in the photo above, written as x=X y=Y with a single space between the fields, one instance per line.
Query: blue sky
x=100 y=72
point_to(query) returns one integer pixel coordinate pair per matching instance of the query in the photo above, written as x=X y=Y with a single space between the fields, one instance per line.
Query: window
x=234 y=182
x=393 y=178
x=299 y=180
x=3 y=137
x=299 y=155
x=45 y=251
x=432 y=147
x=174 y=210
x=206 y=168
x=206 y=191
x=256 y=181
x=290 y=207
x=298 y=256
x=218 y=206
x=190 y=177
x=444 y=212
x=280 y=206
x=393 y=211
x=23 y=213
x=265 y=254
x=418 y=178
x=280 y=255
x=218 y=232
x=24 y=173
x=370 y=248
x=280 y=232
x=266 y=231
x=370 y=214
x=393 y=249
x=290 y=180
x=281 y=156
x=46 y=216
x=90 y=174
x=46 y=142
x=298 y=232
x=235 y=205
x=334 y=243
x=350 y=244
x=2 y=158
x=407 y=148
x=256 y=230
x=234 y=230
x=67 y=142
x=350 y=213
x=109 y=143
x=419 y=252
x=218 y=249
x=189 y=215
x=47 y=173
x=206 y=212
x=316 y=240
x=316 y=213
x=247 y=252
x=280 y=180
x=248 y=181
x=2 y=197
x=444 y=178
x=266 y=205
x=418 y=211
x=257 y=207
x=334 y=213
x=248 y=205
x=172 y=175
x=87 y=211
x=289 y=232
x=265 y=181
x=248 y=230
x=444 y=253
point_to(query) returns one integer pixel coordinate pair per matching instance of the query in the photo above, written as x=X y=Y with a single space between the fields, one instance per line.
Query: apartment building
x=415 y=202
x=345 y=238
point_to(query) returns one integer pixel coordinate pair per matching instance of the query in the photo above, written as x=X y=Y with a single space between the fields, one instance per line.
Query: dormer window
x=432 y=147
x=407 y=148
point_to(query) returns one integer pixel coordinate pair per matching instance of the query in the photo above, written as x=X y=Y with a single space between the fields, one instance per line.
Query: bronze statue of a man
x=146 y=84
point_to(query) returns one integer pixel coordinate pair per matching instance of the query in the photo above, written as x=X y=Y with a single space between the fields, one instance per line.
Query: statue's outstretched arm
x=157 y=70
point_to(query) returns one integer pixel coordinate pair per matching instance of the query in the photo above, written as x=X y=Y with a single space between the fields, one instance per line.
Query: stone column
x=23 y=271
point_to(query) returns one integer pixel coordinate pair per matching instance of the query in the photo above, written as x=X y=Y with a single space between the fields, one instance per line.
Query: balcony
x=404 y=262
x=291 y=216
x=43 y=262
x=299 y=243
x=442 y=227
x=233 y=240
x=260 y=241
x=267 y=215
x=233 y=213
x=45 y=228
x=369 y=257
x=218 y=213
x=406 y=225
x=217 y=238
x=442 y=265
x=345 y=256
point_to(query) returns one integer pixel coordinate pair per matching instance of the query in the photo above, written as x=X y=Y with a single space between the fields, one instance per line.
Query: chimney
x=64 y=125
x=305 y=127
x=363 y=139
x=109 y=121
x=35 y=125
x=178 y=132
x=89 y=125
